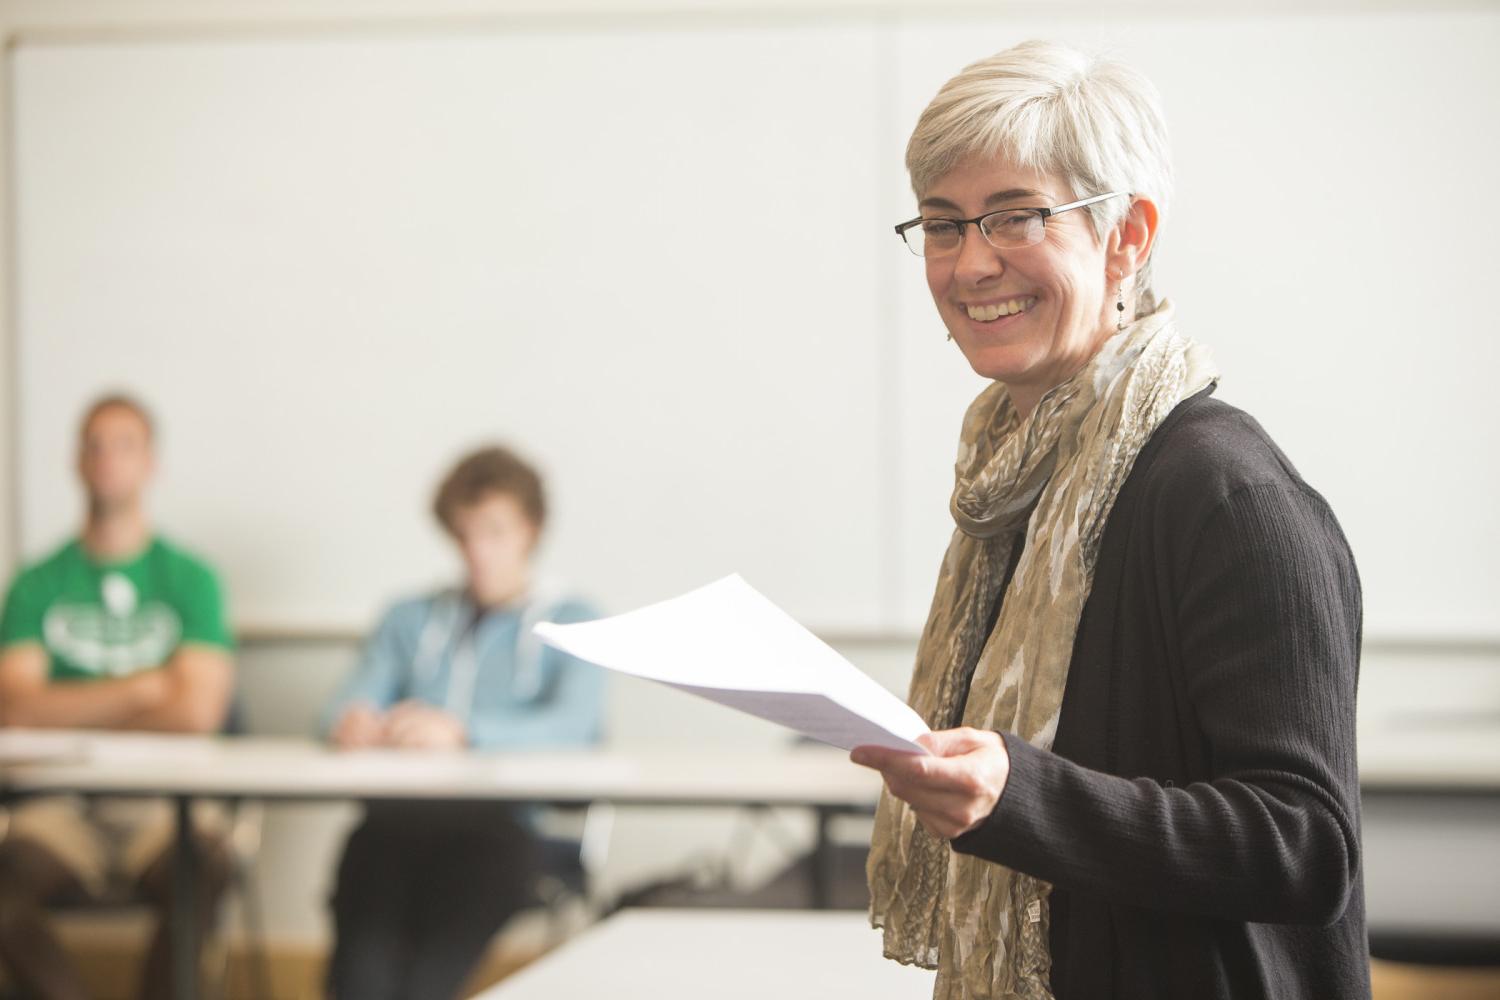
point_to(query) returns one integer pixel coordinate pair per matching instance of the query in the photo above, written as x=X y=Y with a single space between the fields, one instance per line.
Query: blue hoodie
x=488 y=670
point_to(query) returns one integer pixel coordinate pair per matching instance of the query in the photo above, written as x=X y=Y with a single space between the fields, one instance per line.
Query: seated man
x=118 y=629
x=423 y=886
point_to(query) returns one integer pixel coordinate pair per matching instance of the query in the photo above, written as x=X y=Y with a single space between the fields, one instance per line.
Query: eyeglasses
x=1007 y=229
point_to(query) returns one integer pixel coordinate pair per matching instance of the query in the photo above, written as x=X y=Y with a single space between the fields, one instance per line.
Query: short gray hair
x=1090 y=120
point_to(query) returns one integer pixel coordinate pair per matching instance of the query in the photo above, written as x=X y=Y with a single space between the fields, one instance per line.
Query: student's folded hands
x=416 y=725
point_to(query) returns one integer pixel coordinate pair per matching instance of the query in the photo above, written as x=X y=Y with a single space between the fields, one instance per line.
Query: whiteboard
x=333 y=262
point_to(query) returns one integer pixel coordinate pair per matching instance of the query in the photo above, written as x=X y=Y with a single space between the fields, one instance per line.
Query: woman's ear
x=1131 y=241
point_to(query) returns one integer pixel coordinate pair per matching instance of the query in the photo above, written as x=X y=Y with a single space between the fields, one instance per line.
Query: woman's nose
x=977 y=259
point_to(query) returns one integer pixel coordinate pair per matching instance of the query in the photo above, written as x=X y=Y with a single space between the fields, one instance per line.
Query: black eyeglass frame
x=1043 y=213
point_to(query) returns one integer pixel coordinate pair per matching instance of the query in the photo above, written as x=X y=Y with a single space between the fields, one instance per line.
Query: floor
x=107 y=953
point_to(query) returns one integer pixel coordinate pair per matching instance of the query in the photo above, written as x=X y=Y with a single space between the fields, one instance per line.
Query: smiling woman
x=1140 y=660
x=1032 y=317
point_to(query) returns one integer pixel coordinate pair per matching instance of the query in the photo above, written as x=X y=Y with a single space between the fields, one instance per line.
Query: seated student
x=118 y=629
x=423 y=886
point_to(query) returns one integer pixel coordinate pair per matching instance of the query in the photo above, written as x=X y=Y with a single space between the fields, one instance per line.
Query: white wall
x=302 y=251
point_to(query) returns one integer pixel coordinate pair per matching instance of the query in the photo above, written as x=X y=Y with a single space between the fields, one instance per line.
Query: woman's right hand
x=954 y=786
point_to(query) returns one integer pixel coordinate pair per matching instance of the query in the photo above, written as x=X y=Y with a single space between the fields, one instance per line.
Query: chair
x=572 y=847
x=570 y=863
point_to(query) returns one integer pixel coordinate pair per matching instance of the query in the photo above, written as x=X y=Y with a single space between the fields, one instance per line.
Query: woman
x=422 y=887
x=1141 y=658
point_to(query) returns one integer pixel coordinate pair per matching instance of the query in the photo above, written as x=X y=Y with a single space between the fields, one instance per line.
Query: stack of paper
x=727 y=643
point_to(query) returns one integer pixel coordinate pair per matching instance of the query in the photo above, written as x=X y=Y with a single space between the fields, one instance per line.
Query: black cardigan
x=1198 y=815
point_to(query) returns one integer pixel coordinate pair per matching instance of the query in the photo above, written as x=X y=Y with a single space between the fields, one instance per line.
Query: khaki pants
x=108 y=843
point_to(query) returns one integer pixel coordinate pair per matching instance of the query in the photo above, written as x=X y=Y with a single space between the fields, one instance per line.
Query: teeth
x=990 y=313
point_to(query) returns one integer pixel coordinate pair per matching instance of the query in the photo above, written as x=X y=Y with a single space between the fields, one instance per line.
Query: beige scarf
x=1054 y=475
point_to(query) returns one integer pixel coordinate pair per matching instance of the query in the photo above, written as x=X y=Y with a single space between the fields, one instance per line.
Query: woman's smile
x=996 y=312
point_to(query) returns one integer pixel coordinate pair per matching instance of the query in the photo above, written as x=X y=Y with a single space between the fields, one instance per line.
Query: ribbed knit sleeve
x=1263 y=626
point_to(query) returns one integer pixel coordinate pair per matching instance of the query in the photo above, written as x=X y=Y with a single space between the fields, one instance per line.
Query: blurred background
x=337 y=243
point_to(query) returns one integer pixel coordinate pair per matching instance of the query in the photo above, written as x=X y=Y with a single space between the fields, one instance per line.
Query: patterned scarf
x=1053 y=475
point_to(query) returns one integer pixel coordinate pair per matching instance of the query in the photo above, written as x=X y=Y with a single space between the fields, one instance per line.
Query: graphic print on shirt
x=116 y=637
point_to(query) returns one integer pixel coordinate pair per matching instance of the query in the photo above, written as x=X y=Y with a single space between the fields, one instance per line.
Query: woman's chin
x=1002 y=363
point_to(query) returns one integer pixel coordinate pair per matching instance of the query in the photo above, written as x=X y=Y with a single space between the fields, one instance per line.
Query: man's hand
x=360 y=726
x=417 y=725
x=952 y=789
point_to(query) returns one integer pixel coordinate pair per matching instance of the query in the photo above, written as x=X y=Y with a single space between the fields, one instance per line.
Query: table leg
x=184 y=931
x=822 y=861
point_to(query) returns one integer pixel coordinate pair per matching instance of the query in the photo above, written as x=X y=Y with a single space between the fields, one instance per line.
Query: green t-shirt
x=100 y=620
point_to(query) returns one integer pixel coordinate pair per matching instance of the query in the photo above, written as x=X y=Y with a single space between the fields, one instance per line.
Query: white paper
x=729 y=644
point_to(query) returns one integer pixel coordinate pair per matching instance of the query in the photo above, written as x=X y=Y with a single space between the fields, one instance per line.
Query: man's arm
x=199 y=681
x=28 y=696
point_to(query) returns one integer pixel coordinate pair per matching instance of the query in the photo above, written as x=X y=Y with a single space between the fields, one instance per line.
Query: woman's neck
x=1026 y=397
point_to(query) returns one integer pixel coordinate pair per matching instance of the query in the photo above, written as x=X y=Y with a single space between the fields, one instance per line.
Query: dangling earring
x=1120 y=306
x=950 y=336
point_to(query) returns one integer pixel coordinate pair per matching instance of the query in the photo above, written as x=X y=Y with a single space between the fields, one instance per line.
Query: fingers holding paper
x=953 y=788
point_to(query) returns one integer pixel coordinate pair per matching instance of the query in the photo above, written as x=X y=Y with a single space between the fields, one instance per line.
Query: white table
x=1453 y=759
x=184 y=768
x=1431 y=814
x=724 y=954
x=1456 y=759
x=1460 y=761
x=291 y=769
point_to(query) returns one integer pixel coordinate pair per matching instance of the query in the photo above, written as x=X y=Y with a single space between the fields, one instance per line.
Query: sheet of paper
x=729 y=644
